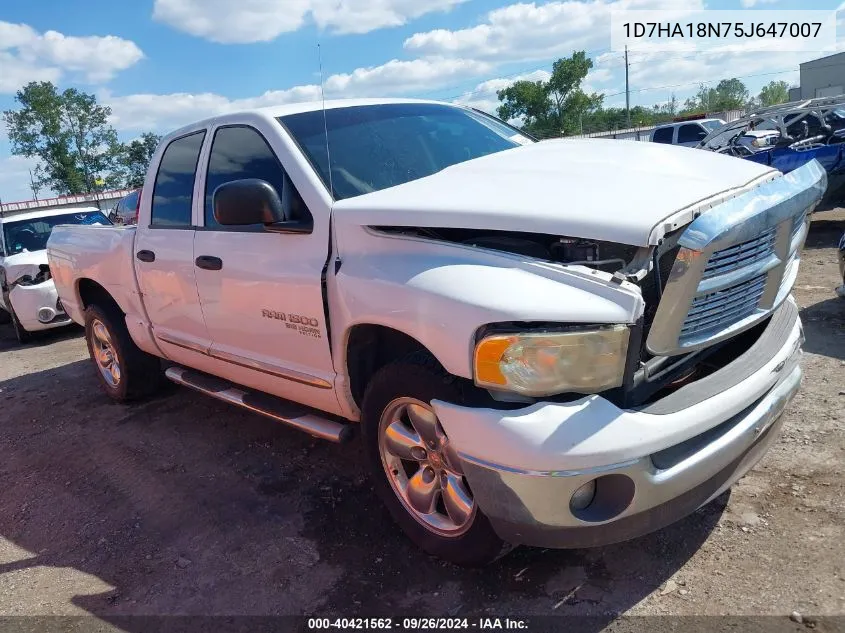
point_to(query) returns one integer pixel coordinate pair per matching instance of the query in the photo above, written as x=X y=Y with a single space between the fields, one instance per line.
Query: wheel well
x=371 y=347
x=91 y=293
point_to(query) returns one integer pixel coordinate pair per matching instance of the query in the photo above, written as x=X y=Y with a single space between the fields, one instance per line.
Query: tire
x=413 y=383
x=5 y=317
x=137 y=374
x=24 y=336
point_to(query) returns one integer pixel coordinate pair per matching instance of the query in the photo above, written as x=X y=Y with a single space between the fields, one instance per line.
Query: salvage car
x=524 y=367
x=126 y=210
x=790 y=135
x=28 y=297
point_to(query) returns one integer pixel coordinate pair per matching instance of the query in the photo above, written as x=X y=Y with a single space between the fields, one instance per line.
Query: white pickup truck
x=562 y=344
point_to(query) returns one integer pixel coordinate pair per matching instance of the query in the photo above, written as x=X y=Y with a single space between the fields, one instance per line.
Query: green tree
x=553 y=107
x=773 y=93
x=135 y=157
x=729 y=94
x=68 y=132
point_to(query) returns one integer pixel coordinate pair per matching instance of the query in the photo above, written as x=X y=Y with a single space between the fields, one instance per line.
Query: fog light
x=583 y=497
x=45 y=315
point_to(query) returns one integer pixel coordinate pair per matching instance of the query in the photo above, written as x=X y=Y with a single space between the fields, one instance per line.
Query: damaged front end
x=31 y=296
x=710 y=287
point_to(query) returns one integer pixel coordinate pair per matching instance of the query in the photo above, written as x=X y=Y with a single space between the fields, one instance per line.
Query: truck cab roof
x=292 y=108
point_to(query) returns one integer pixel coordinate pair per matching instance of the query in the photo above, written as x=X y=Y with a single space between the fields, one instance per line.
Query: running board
x=269 y=406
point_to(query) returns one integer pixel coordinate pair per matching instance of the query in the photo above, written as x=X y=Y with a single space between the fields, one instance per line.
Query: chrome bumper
x=533 y=508
x=651 y=467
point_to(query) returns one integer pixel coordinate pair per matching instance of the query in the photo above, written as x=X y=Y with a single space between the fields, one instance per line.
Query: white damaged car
x=28 y=297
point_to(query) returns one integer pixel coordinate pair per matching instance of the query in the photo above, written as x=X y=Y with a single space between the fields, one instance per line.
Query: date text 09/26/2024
x=417 y=624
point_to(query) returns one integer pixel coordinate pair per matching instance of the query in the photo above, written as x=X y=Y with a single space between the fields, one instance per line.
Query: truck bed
x=93 y=254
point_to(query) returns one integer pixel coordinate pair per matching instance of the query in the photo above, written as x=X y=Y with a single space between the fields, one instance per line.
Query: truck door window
x=173 y=192
x=663 y=135
x=239 y=152
x=691 y=133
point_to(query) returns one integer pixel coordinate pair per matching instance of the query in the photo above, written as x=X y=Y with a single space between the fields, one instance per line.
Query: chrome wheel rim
x=105 y=355
x=423 y=468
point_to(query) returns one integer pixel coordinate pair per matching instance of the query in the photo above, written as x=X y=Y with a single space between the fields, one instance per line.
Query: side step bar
x=274 y=408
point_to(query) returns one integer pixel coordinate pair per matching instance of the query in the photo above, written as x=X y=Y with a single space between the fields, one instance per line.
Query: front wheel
x=23 y=335
x=417 y=471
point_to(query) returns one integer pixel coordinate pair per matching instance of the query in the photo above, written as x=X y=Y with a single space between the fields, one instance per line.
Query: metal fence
x=64 y=202
x=643 y=133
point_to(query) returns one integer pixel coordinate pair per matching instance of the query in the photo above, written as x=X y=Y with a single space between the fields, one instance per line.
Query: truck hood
x=628 y=192
x=26 y=263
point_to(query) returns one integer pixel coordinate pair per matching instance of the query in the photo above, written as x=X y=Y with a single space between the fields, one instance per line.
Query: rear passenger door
x=164 y=249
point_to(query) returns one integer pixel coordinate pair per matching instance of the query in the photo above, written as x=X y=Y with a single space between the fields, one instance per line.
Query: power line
x=472 y=93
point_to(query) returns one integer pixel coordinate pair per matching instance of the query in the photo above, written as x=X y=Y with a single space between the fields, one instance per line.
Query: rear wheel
x=125 y=372
x=5 y=317
x=416 y=469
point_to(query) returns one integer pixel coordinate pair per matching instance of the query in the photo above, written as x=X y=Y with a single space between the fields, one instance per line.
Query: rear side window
x=130 y=202
x=173 y=192
x=691 y=133
x=663 y=135
x=240 y=152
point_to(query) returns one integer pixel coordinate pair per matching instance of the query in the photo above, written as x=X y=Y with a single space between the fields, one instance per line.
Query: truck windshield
x=374 y=147
x=32 y=235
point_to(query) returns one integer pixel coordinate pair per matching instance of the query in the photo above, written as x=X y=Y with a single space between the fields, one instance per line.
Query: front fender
x=441 y=294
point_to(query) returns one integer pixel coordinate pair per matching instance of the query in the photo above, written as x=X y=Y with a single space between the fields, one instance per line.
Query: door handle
x=207 y=262
x=146 y=256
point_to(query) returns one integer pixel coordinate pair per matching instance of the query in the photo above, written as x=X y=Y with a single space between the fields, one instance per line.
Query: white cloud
x=14 y=179
x=747 y=4
x=484 y=95
x=17 y=72
x=164 y=112
x=26 y=55
x=530 y=31
x=262 y=20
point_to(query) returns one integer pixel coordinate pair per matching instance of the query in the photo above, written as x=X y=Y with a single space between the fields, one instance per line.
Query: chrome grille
x=736 y=264
x=741 y=255
x=797 y=223
x=712 y=311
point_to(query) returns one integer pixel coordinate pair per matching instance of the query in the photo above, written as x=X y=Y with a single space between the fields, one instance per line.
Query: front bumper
x=652 y=466
x=26 y=301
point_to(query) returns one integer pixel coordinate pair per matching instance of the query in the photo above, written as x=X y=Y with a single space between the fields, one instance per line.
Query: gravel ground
x=184 y=505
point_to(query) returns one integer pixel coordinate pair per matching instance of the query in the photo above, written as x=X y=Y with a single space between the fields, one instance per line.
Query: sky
x=159 y=64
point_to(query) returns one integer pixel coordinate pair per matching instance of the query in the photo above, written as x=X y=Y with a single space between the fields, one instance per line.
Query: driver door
x=261 y=292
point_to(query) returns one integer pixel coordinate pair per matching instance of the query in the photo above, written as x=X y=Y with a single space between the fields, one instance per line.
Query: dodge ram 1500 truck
x=562 y=343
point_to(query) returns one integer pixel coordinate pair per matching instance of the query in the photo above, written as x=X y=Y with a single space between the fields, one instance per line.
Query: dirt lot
x=185 y=505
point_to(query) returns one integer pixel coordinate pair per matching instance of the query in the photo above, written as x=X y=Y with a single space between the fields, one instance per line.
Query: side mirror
x=247 y=201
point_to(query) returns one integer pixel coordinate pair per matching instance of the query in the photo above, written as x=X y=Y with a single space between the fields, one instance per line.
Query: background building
x=824 y=77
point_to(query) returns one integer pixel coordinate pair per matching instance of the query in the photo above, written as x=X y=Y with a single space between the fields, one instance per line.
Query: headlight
x=543 y=364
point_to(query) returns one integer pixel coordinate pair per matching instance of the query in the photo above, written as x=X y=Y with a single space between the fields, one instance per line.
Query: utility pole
x=627 y=92
x=32 y=186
